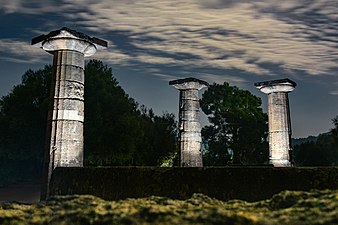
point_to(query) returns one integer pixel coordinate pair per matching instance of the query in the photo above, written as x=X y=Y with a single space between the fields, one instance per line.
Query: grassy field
x=288 y=207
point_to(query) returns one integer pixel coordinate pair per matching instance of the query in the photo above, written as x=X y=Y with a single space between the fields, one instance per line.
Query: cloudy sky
x=154 y=41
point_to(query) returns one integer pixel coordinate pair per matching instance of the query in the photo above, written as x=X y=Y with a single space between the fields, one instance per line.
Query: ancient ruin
x=189 y=121
x=66 y=114
x=279 y=119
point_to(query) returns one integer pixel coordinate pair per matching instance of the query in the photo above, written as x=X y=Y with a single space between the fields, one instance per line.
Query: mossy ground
x=288 y=207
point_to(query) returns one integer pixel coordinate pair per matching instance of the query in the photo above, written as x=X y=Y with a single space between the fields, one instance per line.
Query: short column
x=66 y=113
x=279 y=119
x=189 y=121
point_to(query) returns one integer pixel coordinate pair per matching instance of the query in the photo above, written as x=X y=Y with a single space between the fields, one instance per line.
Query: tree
x=116 y=130
x=322 y=152
x=158 y=138
x=111 y=124
x=334 y=131
x=23 y=114
x=239 y=126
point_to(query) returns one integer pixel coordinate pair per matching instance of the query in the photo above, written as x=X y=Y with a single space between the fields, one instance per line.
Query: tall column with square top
x=279 y=119
x=189 y=121
x=66 y=114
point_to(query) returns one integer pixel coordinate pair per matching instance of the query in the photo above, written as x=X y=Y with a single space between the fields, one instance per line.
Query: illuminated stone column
x=279 y=119
x=66 y=114
x=189 y=121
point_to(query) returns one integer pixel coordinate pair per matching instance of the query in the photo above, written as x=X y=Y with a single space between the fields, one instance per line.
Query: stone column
x=279 y=119
x=189 y=121
x=66 y=114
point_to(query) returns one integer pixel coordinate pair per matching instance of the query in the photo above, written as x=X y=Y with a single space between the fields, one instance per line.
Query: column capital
x=189 y=83
x=67 y=39
x=283 y=85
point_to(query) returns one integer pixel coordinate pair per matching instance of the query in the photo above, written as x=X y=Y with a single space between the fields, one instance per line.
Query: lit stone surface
x=66 y=114
x=189 y=121
x=279 y=119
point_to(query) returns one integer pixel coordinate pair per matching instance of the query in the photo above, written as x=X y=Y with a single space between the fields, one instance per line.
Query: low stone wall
x=246 y=183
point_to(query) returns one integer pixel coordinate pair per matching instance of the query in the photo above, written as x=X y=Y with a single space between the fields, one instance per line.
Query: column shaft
x=279 y=119
x=189 y=121
x=190 y=129
x=279 y=129
x=67 y=112
x=64 y=143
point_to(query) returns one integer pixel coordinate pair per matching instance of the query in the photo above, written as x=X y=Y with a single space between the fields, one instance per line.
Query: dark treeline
x=120 y=132
x=322 y=151
x=117 y=130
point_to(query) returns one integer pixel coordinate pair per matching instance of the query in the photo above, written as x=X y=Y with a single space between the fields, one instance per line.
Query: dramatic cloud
x=219 y=34
x=242 y=36
x=28 y=7
x=21 y=52
x=152 y=41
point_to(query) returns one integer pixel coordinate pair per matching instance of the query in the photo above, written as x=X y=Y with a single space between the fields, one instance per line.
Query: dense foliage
x=238 y=130
x=23 y=114
x=117 y=131
x=323 y=151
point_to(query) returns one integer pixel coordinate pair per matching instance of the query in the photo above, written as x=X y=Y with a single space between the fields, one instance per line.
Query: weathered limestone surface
x=279 y=119
x=189 y=121
x=66 y=114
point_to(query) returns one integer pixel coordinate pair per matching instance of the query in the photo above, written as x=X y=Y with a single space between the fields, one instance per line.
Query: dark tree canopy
x=239 y=127
x=23 y=114
x=110 y=118
x=158 y=137
x=117 y=131
x=322 y=152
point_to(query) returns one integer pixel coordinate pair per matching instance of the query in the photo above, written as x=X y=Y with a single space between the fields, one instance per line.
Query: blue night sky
x=152 y=42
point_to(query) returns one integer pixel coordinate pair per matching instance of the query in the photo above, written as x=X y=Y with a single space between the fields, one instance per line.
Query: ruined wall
x=246 y=183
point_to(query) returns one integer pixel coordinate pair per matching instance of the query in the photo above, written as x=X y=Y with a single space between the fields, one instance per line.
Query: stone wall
x=246 y=183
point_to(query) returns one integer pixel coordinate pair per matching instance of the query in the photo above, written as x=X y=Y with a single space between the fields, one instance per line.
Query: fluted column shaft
x=66 y=115
x=189 y=121
x=190 y=129
x=64 y=142
x=279 y=120
x=279 y=133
